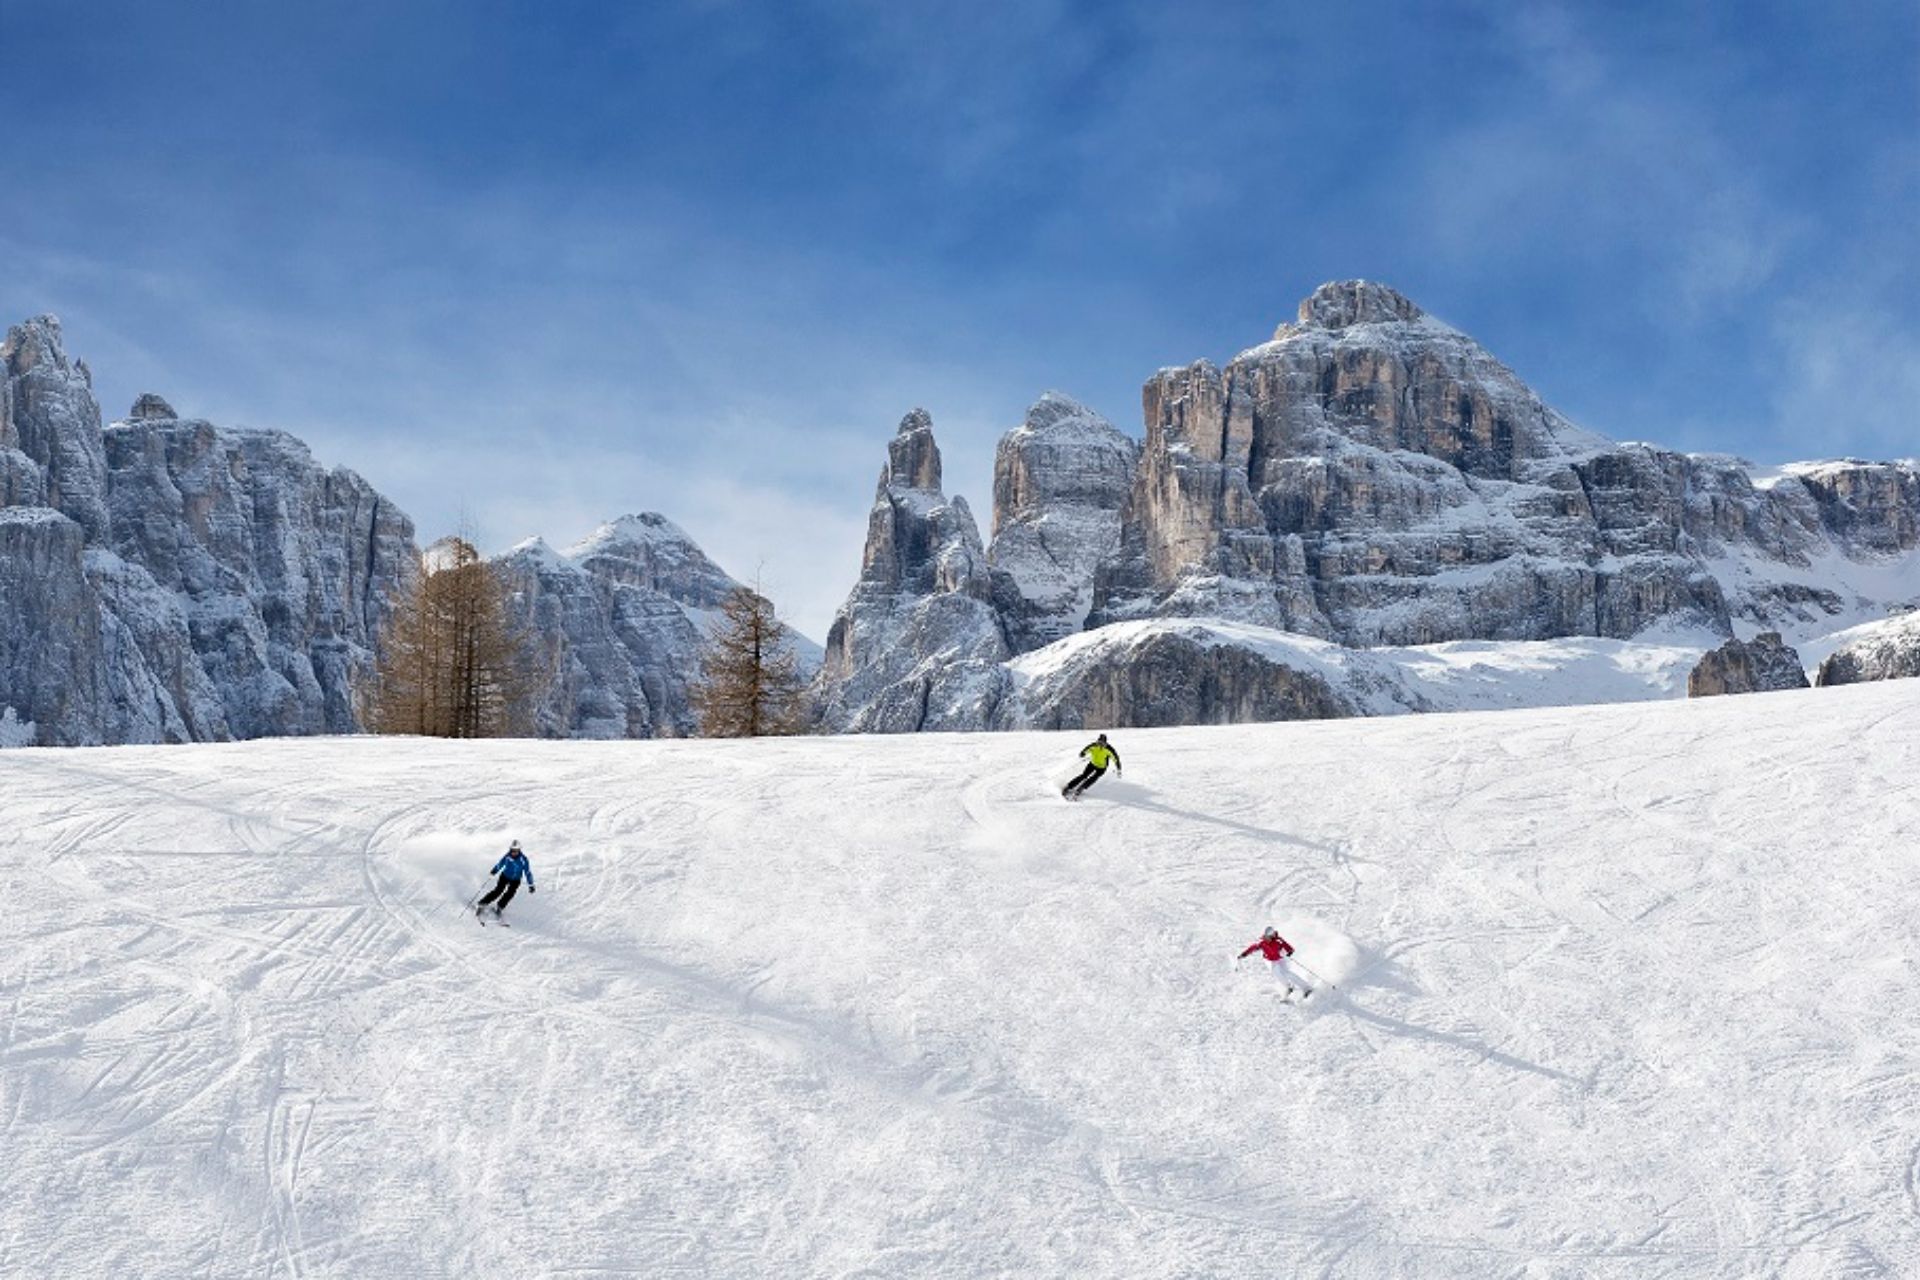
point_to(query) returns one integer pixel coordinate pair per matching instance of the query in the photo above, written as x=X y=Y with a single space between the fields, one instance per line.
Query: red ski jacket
x=1271 y=948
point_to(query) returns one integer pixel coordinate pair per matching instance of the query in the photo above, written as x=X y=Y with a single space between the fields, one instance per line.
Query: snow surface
x=1493 y=674
x=1816 y=651
x=1625 y=991
x=1459 y=675
x=1867 y=585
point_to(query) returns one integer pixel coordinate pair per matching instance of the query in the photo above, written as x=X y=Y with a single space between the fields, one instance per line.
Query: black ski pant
x=503 y=891
x=1088 y=776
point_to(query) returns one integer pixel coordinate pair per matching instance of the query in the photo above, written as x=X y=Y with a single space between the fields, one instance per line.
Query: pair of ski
x=480 y=913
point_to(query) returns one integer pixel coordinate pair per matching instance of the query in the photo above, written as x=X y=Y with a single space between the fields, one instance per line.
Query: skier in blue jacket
x=509 y=869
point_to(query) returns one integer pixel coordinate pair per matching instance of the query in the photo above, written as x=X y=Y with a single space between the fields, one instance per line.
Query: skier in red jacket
x=1275 y=949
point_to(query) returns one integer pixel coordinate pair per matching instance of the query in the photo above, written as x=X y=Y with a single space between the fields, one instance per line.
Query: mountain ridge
x=1369 y=476
x=1375 y=477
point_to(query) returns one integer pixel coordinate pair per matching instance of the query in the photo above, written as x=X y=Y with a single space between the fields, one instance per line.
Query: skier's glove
x=533 y=888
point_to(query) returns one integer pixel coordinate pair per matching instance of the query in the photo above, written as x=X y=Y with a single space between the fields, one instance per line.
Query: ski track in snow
x=1621 y=991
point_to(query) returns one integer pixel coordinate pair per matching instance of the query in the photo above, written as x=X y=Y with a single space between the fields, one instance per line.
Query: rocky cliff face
x=1374 y=477
x=167 y=580
x=51 y=673
x=49 y=418
x=919 y=642
x=1762 y=665
x=1060 y=480
x=1151 y=675
x=623 y=618
x=1888 y=650
x=283 y=567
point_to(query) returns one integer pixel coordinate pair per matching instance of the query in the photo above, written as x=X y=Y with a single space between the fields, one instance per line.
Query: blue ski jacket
x=513 y=866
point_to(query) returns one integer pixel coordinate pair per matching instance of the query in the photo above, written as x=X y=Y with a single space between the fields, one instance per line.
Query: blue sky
x=548 y=263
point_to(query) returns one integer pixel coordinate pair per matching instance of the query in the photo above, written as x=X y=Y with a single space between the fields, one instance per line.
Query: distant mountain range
x=1366 y=514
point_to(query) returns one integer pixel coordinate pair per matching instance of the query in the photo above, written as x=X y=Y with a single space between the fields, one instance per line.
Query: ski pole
x=1310 y=972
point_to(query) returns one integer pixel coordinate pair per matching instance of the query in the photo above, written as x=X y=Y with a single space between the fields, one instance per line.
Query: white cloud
x=1847 y=378
x=1586 y=157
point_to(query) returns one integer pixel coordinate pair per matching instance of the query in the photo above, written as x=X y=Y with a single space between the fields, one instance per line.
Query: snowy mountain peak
x=647 y=529
x=447 y=553
x=538 y=552
x=1055 y=410
x=1340 y=303
x=151 y=408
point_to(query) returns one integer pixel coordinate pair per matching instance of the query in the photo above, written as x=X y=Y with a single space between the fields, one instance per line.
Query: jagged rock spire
x=913 y=459
x=917 y=642
x=48 y=413
x=151 y=408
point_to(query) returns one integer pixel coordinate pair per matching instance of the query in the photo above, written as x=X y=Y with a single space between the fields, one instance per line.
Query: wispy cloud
x=1585 y=154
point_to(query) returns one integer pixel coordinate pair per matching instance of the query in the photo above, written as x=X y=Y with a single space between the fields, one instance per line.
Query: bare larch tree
x=451 y=661
x=750 y=682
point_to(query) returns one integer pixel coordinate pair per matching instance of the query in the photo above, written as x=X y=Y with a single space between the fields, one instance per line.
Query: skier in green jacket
x=1098 y=754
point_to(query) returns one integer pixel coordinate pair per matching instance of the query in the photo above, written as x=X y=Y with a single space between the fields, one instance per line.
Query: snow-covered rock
x=1060 y=480
x=623 y=618
x=283 y=567
x=1178 y=671
x=1374 y=477
x=1377 y=477
x=48 y=414
x=19 y=480
x=166 y=580
x=1885 y=650
x=50 y=667
x=1762 y=665
x=150 y=405
x=15 y=732
x=1170 y=671
x=1370 y=477
x=918 y=643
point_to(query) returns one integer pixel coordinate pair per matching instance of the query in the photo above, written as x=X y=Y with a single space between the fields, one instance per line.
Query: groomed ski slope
x=1628 y=991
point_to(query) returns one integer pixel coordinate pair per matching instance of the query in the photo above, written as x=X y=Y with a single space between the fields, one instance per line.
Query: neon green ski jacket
x=1099 y=755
